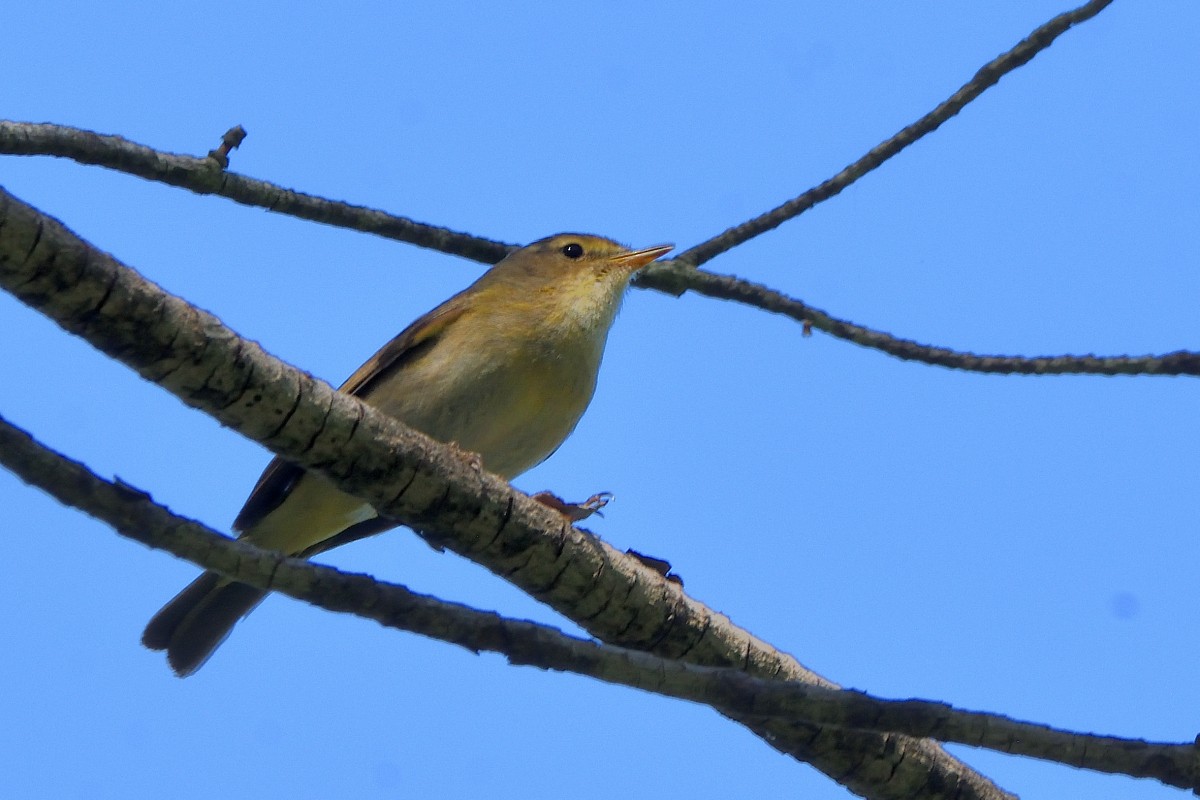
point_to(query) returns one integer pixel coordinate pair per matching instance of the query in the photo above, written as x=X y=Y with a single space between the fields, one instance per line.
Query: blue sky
x=1014 y=544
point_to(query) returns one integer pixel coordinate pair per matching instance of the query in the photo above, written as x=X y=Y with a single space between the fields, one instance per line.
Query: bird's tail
x=198 y=619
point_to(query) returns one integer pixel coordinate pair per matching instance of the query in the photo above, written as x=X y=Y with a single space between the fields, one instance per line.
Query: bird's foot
x=575 y=512
x=473 y=459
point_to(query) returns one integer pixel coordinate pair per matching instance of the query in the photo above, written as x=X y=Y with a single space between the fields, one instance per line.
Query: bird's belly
x=513 y=415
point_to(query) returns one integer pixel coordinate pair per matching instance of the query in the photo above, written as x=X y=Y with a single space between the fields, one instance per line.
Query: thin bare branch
x=206 y=176
x=1182 y=362
x=429 y=487
x=987 y=77
x=133 y=514
x=672 y=277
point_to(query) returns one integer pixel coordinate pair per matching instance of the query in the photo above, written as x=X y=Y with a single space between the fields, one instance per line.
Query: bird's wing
x=280 y=476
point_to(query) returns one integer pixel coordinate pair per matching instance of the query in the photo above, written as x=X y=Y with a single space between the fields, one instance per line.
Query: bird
x=504 y=370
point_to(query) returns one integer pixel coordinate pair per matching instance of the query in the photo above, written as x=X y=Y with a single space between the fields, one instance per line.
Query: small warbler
x=504 y=369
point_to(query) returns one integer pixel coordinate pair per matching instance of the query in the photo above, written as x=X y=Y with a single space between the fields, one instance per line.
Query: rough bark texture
x=410 y=477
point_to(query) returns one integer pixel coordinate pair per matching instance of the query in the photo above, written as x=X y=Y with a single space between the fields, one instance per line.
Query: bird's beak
x=636 y=259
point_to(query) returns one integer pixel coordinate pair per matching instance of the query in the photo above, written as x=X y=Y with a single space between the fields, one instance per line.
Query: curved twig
x=987 y=77
x=727 y=287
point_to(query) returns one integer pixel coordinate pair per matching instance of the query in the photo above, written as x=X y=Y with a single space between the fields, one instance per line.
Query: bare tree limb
x=206 y=176
x=133 y=514
x=671 y=277
x=411 y=478
x=988 y=76
x=1182 y=362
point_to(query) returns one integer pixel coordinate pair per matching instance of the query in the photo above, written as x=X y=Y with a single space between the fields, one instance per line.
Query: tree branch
x=424 y=484
x=133 y=514
x=207 y=176
x=202 y=175
x=1181 y=362
x=988 y=76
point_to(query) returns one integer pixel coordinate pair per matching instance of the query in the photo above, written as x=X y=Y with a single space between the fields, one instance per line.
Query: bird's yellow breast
x=512 y=402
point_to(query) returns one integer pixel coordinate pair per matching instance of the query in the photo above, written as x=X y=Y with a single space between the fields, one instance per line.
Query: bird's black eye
x=573 y=250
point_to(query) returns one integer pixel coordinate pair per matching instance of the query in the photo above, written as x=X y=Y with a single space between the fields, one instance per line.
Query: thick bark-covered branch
x=427 y=486
x=133 y=514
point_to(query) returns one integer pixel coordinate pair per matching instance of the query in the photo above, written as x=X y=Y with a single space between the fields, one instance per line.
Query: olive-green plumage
x=503 y=369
